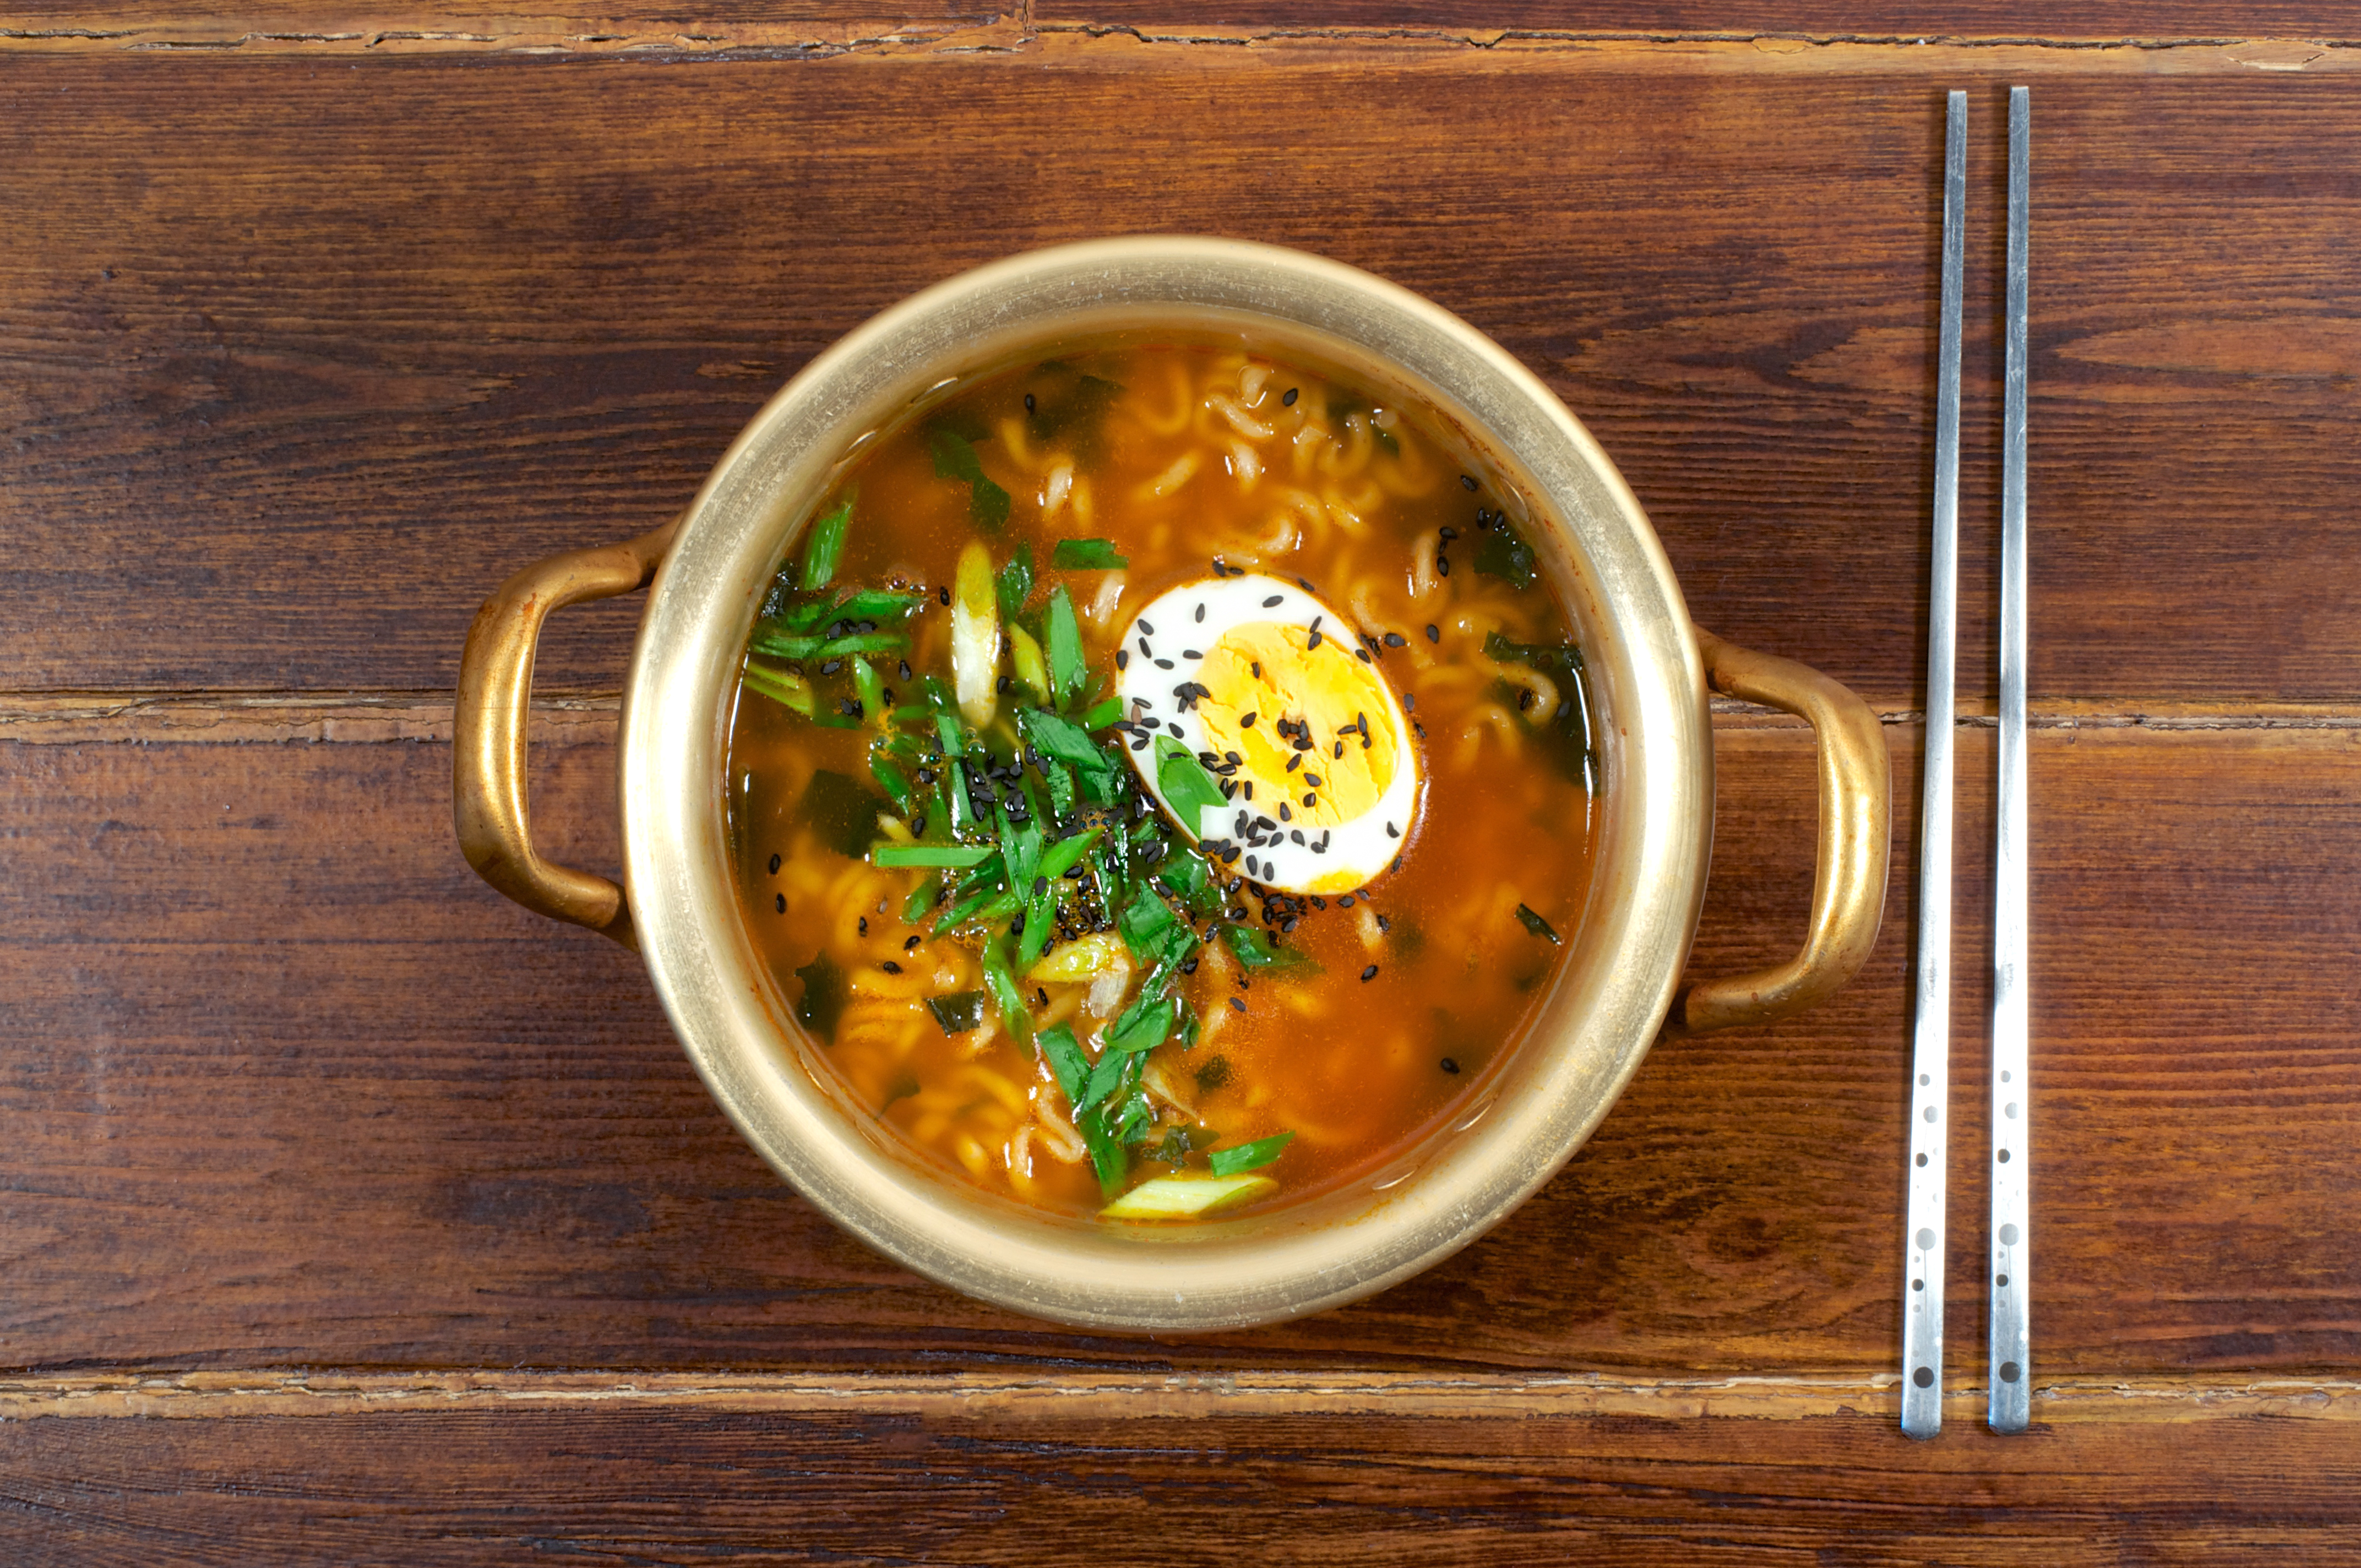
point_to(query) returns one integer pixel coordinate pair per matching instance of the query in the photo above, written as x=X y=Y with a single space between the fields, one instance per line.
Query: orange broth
x=1182 y=455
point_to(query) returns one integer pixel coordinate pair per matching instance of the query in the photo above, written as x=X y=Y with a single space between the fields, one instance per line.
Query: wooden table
x=349 y=1213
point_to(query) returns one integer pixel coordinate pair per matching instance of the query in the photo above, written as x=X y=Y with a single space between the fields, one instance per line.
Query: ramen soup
x=1161 y=780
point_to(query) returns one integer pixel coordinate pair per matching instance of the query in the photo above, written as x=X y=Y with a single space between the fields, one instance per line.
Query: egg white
x=1166 y=646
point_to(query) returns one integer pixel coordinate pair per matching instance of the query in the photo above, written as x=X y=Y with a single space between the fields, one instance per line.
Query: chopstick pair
x=2008 y=1399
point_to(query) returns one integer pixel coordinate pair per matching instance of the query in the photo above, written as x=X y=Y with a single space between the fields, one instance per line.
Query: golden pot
x=1621 y=980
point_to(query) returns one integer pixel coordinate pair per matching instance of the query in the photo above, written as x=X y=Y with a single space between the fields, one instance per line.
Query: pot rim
x=1609 y=996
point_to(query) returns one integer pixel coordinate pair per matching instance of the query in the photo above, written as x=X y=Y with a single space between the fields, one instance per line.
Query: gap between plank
x=364 y=718
x=1102 y=1396
x=1021 y=34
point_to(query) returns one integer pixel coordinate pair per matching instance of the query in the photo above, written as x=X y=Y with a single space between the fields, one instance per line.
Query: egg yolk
x=1276 y=696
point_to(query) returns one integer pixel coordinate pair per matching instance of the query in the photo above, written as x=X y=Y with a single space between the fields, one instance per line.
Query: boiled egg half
x=1276 y=698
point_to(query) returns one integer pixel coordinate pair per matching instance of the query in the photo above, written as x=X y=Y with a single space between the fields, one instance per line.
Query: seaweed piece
x=823 y=1000
x=842 y=812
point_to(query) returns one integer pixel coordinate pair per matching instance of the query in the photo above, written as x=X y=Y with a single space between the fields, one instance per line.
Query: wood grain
x=286 y=1086
x=296 y=363
x=603 y=1485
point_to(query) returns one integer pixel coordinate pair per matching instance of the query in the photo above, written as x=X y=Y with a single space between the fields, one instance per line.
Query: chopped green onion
x=962 y=810
x=1026 y=654
x=1067 y=1060
x=1015 y=584
x=781 y=686
x=976 y=636
x=1087 y=555
x=772 y=645
x=1108 y=1156
x=1060 y=780
x=922 y=898
x=826 y=544
x=1015 y=1016
x=891 y=780
x=1104 y=714
x=1186 y=1196
x=1249 y=1156
x=1065 y=633
x=1038 y=928
x=1142 y=1027
x=927 y=854
x=1060 y=856
x=869 y=688
x=1187 y=787
x=1256 y=949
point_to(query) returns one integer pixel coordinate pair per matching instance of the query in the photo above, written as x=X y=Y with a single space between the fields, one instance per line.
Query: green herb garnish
x=1249 y=1156
x=892 y=855
x=1065 y=633
x=1015 y=584
x=1087 y=555
x=827 y=544
x=1257 y=950
x=1187 y=787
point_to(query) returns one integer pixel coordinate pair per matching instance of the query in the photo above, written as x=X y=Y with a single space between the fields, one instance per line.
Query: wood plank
x=299 y=362
x=1847 y=19
x=286 y=1086
x=600 y=1483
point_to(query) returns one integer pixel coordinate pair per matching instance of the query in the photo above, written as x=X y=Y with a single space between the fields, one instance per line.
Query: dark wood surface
x=300 y=354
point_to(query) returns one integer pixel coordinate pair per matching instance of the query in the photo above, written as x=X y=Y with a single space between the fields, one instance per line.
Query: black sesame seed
x=1274 y=601
x=906 y=669
x=890 y=966
x=1201 y=612
x=1150 y=630
x=1123 y=658
x=1287 y=926
x=1238 y=1003
x=1286 y=812
x=1288 y=400
x=1232 y=757
x=1417 y=728
x=1145 y=651
x=1385 y=924
x=1310 y=799
x=831 y=666
x=908 y=943
x=1247 y=721
x=1409 y=702
x=1525 y=699
x=1296 y=834
x=1307 y=586
x=1392 y=831
x=1395 y=640
x=1312 y=643
x=782 y=903
x=1449 y=1066
x=1443 y=566
x=1340 y=748
x=1467 y=480
x=1448 y=534
x=1249 y=788
x=1191 y=654
x=1433 y=632
x=1041 y=995
x=944 y=594
x=1369 y=974
x=1362 y=654
x=863 y=927
x=774 y=865
x=1258 y=669
x=1346 y=901
x=1161 y=663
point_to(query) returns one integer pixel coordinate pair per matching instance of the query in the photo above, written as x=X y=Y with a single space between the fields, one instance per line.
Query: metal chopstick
x=1922 y=1247
x=2010 y=1399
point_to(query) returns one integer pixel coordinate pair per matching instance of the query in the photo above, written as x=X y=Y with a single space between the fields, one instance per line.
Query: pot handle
x=495 y=699
x=1856 y=811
